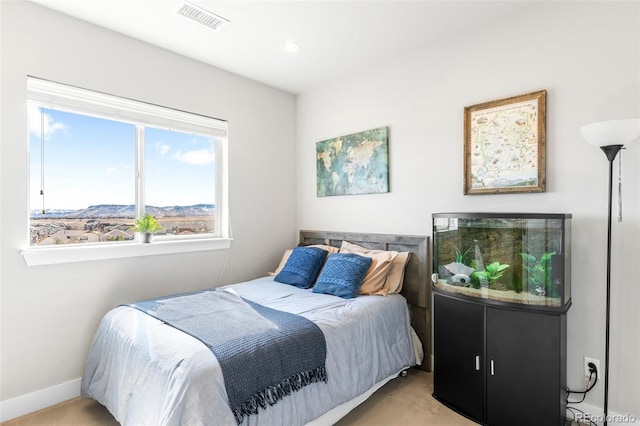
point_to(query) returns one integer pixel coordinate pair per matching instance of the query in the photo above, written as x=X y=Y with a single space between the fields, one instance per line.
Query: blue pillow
x=342 y=275
x=302 y=267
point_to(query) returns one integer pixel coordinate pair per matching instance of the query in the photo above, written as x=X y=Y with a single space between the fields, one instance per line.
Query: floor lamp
x=610 y=136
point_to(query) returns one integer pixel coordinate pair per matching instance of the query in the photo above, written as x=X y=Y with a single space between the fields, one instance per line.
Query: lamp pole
x=611 y=151
x=610 y=136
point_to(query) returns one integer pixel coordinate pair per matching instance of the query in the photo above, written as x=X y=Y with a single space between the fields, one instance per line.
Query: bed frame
x=416 y=288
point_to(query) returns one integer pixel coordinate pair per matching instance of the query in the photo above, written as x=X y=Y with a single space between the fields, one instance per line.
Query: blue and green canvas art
x=353 y=164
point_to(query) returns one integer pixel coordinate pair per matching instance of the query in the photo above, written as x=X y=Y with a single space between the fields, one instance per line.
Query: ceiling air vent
x=201 y=15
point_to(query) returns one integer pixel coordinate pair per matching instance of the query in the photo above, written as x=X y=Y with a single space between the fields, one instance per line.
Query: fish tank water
x=505 y=258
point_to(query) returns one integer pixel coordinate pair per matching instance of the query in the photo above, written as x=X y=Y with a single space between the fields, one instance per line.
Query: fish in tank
x=512 y=258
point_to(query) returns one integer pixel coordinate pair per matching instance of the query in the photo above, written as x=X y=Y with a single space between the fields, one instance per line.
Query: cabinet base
x=566 y=421
x=453 y=408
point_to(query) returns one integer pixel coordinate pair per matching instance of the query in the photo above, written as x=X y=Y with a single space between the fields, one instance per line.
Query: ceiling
x=335 y=37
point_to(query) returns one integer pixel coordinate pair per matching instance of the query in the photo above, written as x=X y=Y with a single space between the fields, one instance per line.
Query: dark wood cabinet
x=459 y=351
x=499 y=365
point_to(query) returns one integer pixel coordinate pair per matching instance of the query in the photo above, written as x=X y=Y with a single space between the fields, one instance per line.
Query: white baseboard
x=34 y=401
x=596 y=415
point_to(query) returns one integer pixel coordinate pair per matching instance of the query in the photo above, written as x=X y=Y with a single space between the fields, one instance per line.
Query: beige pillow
x=376 y=276
x=395 y=276
x=284 y=259
x=287 y=253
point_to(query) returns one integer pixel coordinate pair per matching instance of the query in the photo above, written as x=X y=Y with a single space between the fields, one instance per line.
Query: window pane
x=98 y=160
x=180 y=181
x=88 y=176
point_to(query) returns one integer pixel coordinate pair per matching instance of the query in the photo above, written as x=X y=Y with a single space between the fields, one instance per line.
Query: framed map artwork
x=504 y=145
x=353 y=164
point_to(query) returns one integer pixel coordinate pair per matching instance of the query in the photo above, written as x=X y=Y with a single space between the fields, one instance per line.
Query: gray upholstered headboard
x=415 y=289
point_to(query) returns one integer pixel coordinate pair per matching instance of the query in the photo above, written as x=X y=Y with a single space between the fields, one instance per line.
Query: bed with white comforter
x=148 y=373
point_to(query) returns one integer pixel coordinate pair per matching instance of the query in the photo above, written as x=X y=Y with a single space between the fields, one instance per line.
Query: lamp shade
x=613 y=132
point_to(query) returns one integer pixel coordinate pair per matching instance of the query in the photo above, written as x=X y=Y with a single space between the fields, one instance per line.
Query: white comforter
x=148 y=373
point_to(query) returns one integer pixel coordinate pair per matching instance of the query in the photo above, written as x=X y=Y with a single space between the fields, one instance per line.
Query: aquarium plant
x=462 y=257
x=492 y=273
x=539 y=274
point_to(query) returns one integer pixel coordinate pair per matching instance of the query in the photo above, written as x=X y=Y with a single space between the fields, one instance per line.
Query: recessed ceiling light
x=289 y=46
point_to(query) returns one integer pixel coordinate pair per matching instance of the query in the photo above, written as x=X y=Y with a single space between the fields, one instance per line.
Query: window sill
x=82 y=253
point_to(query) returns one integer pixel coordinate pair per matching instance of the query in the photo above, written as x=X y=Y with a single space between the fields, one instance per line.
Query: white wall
x=586 y=55
x=49 y=313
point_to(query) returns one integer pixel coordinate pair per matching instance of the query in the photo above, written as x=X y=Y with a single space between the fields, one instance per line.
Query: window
x=96 y=162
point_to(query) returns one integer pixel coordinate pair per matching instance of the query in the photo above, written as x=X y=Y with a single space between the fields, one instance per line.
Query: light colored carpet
x=402 y=401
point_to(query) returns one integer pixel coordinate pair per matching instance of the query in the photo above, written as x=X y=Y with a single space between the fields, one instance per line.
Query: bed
x=146 y=372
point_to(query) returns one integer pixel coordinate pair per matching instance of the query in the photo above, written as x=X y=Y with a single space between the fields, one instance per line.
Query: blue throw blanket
x=265 y=354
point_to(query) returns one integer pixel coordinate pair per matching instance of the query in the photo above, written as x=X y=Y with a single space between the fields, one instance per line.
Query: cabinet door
x=523 y=377
x=458 y=379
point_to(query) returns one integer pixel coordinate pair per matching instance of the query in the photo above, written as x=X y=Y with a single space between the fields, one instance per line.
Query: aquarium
x=518 y=258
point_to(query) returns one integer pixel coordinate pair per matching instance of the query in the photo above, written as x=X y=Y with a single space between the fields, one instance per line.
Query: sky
x=91 y=161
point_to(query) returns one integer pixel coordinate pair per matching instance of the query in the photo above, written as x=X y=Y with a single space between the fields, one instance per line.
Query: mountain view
x=123 y=210
x=113 y=222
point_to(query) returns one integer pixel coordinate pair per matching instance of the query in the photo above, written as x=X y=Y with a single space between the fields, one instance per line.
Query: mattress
x=149 y=373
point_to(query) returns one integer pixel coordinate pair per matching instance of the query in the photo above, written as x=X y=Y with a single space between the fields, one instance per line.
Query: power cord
x=584 y=392
x=583 y=417
x=593 y=371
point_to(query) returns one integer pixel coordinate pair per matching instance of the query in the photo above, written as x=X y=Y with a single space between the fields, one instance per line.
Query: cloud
x=202 y=156
x=118 y=170
x=50 y=126
x=161 y=148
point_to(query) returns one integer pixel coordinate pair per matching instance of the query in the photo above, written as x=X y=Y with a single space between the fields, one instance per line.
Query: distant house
x=91 y=224
x=46 y=241
x=88 y=237
x=118 y=235
x=70 y=236
x=65 y=236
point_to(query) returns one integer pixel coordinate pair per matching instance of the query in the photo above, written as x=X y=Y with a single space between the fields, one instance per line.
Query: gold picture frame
x=504 y=145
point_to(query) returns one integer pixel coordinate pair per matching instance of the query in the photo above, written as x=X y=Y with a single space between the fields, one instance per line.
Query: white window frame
x=53 y=95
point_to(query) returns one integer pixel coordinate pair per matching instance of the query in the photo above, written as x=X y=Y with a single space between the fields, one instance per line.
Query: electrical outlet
x=586 y=366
